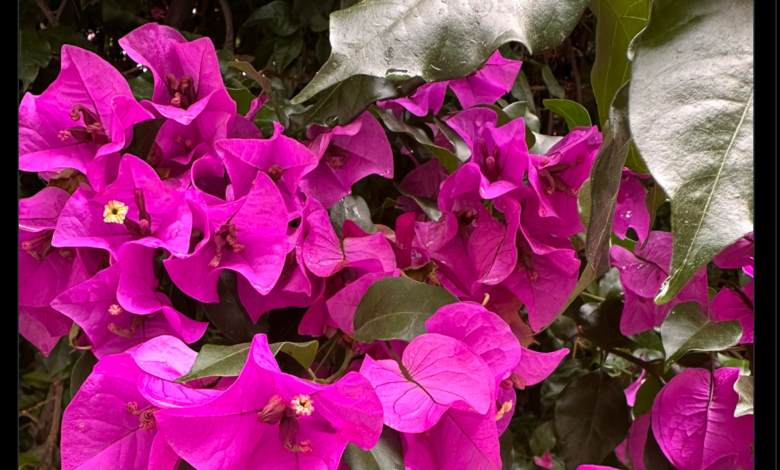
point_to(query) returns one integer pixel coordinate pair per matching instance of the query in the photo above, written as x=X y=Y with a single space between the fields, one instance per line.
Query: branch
x=53 y=18
x=229 y=36
x=348 y=356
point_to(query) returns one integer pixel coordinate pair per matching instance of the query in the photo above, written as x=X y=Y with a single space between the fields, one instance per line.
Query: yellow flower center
x=505 y=408
x=302 y=405
x=115 y=212
x=115 y=310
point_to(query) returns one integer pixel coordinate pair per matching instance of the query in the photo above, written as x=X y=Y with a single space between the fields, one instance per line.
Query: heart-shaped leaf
x=426 y=38
x=591 y=419
x=691 y=115
x=688 y=328
x=397 y=308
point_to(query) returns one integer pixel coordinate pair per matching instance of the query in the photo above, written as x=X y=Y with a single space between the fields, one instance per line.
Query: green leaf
x=424 y=38
x=274 y=99
x=601 y=324
x=142 y=86
x=655 y=198
x=574 y=113
x=286 y=49
x=342 y=103
x=429 y=206
x=28 y=459
x=583 y=202
x=394 y=124
x=59 y=358
x=744 y=388
x=144 y=134
x=543 y=143
x=60 y=35
x=218 y=361
x=229 y=316
x=691 y=115
x=387 y=454
x=605 y=182
x=506 y=445
x=302 y=352
x=38 y=379
x=34 y=53
x=276 y=16
x=397 y=308
x=689 y=328
x=81 y=370
x=617 y=22
x=591 y=419
x=543 y=438
x=462 y=150
x=122 y=12
x=227 y=361
x=521 y=91
x=654 y=458
x=552 y=84
x=645 y=396
x=352 y=208
x=243 y=98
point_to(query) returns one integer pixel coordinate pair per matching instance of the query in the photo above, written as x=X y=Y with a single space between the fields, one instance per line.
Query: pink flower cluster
x=213 y=194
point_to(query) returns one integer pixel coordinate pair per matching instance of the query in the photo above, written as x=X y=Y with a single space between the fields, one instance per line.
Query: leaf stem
x=591 y=296
x=349 y=355
x=648 y=366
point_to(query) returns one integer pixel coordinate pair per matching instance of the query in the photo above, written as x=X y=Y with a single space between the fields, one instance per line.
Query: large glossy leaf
x=691 y=114
x=645 y=396
x=591 y=419
x=689 y=328
x=604 y=184
x=387 y=454
x=654 y=458
x=600 y=324
x=617 y=22
x=227 y=361
x=744 y=388
x=435 y=40
x=81 y=370
x=397 y=308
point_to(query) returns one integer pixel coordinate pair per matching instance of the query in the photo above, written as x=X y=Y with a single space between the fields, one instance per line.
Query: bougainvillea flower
x=119 y=307
x=324 y=253
x=471 y=248
x=735 y=305
x=557 y=176
x=440 y=373
x=137 y=206
x=621 y=452
x=484 y=332
x=346 y=155
x=631 y=390
x=283 y=159
x=506 y=305
x=499 y=156
x=46 y=271
x=268 y=419
x=405 y=253
x=637 y=437
x=595 y=467
x=484 y=86
x=187 y=80
x=545 y=460
x=422 y=182
x=109 y=424
x=546 y=268
x=630 y=207
x=248 y=236
x=738 y=255
x=81 y=121
x=641 y=275
x=693 y=420
x=473 y=435
x=535 y=366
